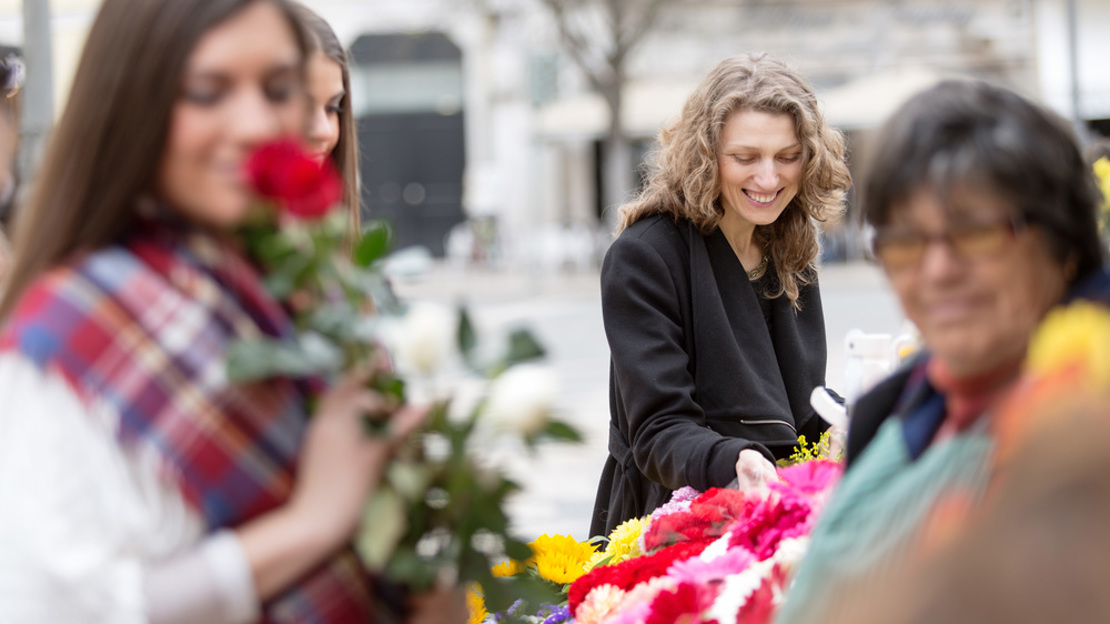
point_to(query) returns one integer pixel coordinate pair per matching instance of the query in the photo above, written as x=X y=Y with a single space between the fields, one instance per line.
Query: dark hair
x=105 y=150
x=684 y=180
x=345 y=155
x=981 y=135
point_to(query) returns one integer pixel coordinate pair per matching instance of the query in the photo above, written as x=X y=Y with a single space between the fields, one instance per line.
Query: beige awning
x=867 y=101
x=862 y=103
x=646 y=107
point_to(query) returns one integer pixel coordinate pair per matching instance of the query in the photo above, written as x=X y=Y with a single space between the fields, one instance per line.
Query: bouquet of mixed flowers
x=439 y=517
x=720 y=555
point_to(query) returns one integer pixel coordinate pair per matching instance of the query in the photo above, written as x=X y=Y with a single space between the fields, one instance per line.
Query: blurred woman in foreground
x=139 y=484
x=985 y=219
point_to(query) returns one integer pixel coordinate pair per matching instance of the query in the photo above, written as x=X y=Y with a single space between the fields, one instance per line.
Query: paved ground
x=565 y=312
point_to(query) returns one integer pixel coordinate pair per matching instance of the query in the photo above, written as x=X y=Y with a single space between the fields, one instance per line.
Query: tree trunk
x=616 y=152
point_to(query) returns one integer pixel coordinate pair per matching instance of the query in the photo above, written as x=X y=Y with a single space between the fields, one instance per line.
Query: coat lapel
x=737 y=370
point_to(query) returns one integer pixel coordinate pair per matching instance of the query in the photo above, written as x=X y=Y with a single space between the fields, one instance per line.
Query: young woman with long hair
x=138 y=483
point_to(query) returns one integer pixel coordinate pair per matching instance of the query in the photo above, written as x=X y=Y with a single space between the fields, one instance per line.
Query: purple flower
x=680 y=501
x=557 y=615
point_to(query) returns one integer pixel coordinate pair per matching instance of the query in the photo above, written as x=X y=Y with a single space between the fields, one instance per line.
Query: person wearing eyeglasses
x=985 y=218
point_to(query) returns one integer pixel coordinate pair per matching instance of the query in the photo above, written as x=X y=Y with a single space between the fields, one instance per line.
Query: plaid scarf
x=143 y=326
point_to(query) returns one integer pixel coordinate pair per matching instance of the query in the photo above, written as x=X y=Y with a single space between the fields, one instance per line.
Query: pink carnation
x=701 y=572
x=814 y=479
x=776 y=517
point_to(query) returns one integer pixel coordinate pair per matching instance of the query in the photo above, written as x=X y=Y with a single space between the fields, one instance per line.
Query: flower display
x=720 y=556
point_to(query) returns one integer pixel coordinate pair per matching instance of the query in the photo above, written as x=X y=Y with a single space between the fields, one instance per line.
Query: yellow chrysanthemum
x=1077 y=338
x=624 y=541
x=475 y=605
x=507 y=568
x=560 y=558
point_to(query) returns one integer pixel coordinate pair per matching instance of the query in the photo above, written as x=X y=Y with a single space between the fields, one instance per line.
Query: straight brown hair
x=104 y=153
x=345 y=155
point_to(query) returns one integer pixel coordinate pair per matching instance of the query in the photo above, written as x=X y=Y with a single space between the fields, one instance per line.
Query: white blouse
x=90 y=532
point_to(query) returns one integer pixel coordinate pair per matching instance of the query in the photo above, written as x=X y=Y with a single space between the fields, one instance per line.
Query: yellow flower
x=1102 y=175
x=1073 y=338
x=560 y=558
x=624 y=541
x=475 y=605
x=507 y=568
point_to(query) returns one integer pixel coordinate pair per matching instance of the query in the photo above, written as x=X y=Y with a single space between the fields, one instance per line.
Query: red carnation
x=682 y=604
x=775 y=518
x=708 y=518
x=284 y=172
x=627 y=574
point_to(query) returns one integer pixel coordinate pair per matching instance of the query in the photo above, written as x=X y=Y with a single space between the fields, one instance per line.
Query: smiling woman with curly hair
x=710 y=295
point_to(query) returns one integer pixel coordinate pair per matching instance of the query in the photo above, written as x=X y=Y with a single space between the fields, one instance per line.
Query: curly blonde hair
x=684 y=180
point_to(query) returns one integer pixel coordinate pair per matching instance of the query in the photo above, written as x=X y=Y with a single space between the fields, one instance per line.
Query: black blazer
x=696 y=374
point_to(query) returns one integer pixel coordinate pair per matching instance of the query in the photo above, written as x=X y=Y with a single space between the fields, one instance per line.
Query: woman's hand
x=753 y=471
x=340 y=462
x=438 y=606
x=338 y=468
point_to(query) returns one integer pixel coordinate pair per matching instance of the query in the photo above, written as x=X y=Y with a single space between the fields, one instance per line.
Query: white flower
x=736 y=590
x=424 y=339
x=521 y=398
x=717 y=548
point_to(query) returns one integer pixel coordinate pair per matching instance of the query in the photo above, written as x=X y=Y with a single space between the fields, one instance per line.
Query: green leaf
x=279 y=285
x=523 y=346
x=504 y=591
x=388 y=385
x=467 y=337
x=518 y=550
x=383 y=526
x=255 y=360
x=559 y=430
x=409 y=479
x=376 y=239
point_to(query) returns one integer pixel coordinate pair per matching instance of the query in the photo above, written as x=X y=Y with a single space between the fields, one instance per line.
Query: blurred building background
x=487 y=125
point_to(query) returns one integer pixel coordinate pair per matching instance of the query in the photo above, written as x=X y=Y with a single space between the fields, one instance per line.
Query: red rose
x=284 y=172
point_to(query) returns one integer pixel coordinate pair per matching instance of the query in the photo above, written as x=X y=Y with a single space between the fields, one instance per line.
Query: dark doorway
x=407 y=93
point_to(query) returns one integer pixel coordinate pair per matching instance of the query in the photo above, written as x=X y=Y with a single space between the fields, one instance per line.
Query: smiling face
x=759 y=160
x=976 y=304
x=242 y=86
x=327 y=95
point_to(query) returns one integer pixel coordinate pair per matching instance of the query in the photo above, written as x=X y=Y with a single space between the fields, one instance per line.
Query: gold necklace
x=758 y=271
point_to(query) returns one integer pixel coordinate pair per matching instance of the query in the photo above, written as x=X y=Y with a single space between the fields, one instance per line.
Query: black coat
x=696 y=374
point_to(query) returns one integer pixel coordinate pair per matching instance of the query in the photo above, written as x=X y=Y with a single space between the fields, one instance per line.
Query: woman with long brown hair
x=138 y=483
x=710 y=294
x=331 y=129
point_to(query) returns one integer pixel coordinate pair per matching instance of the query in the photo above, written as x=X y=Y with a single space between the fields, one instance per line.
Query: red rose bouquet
x=439 y=515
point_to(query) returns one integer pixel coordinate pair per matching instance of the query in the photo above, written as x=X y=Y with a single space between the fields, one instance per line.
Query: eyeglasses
x=900 y=249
